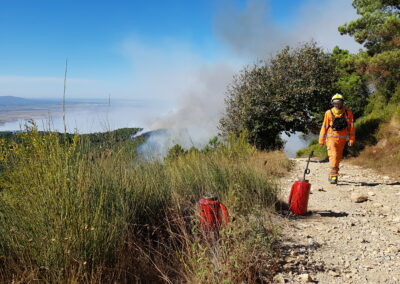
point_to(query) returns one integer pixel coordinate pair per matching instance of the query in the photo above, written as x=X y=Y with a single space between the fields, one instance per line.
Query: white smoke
x=252 y=31
x=200 y=106
x=158 y=142
x=191 y=89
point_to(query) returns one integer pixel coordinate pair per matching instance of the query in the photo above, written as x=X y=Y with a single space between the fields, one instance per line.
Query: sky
x=150 y=49
x=177 y=57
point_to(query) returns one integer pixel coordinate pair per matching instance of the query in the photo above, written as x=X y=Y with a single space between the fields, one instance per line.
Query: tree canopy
x=350 y=82
x=288 y=93
x=378 y=29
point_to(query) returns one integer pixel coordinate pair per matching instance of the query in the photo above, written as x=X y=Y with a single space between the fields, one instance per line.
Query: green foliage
x=212 y=145
x=288 y=93
x=378 y=29
x=380 y=107
x=376 y=104
x=350 y=82
x=8 y=135
x=319 y=151
x=101 y=139
x=176 y=151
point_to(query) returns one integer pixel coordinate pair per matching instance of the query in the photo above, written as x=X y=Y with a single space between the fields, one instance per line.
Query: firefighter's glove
x=351 y=143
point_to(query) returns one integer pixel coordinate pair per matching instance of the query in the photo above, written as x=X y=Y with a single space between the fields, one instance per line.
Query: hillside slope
x=342 y=241
x=11 y=101
x=385 y=155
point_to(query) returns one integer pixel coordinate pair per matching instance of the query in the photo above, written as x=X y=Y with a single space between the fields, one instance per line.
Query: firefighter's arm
x=352 y=132
x=324 y=130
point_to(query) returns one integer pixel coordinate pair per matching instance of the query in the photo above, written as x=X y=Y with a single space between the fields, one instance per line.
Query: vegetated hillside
x=11 y=101
x=384 y=156
x=118 y=135
x=74 y=210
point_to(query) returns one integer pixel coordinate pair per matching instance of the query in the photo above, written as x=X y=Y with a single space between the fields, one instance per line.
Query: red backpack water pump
x=298 y=198
x=210 y=213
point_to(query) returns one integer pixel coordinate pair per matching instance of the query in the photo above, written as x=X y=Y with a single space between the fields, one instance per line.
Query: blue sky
x=150 y=49
x=38 y=35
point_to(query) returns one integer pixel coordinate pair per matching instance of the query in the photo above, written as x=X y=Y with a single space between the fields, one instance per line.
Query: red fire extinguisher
x=210 y=213
x=298 y=198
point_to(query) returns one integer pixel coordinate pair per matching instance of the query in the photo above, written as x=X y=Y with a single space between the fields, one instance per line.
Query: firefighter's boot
x=333 y=179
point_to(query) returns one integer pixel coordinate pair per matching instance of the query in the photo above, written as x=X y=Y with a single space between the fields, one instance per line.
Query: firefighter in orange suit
x=337 y=128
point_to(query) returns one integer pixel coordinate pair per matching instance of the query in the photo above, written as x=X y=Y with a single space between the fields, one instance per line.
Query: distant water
x=89 y=118
x=296 y=142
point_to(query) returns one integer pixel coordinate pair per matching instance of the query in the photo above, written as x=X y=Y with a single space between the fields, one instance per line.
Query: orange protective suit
x=336 y=140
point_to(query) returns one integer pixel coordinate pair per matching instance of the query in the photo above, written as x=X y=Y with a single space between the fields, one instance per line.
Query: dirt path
x=342 y=241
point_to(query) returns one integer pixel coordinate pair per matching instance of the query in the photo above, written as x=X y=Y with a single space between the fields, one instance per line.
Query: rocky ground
x=352 y=233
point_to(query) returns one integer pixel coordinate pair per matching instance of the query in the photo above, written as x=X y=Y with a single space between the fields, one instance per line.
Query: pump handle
x=307 y=170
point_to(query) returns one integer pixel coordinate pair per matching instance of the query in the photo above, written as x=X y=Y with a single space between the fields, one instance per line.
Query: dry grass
x=274 y=163
x=385 y=155
x=69 y=214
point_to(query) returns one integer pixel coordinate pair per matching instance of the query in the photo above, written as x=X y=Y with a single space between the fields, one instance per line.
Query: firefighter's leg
x=339 y=152
x=331 y=147
x=336 y=155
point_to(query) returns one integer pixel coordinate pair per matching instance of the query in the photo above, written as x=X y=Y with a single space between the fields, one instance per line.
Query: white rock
x=279 y=279
x=371 y=193
x=305 y=278
x=396 y=219
x=333 y=273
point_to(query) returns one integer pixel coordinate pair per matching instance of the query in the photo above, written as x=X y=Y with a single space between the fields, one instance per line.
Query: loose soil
x=341 y=241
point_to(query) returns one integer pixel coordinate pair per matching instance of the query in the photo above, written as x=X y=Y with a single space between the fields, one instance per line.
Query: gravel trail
x=343 y=240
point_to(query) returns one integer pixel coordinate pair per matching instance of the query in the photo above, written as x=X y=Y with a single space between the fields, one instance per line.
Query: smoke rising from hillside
x=201 y=106
x=191 y=88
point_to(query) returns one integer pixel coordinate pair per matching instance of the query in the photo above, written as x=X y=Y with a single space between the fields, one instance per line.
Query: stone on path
x=358 y=198
x=305 y=278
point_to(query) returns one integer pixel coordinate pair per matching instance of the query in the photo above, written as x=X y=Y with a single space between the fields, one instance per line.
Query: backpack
x=339 y=123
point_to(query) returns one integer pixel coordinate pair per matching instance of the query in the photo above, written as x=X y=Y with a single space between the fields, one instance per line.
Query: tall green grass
x=70 y=211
